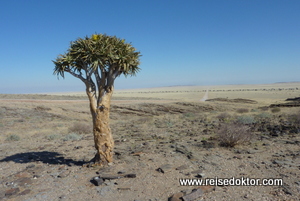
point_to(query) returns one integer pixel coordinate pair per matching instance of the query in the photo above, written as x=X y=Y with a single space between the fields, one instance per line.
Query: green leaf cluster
x=99 y=52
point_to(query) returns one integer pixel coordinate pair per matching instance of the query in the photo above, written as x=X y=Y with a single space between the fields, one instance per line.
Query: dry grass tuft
x=80 y=128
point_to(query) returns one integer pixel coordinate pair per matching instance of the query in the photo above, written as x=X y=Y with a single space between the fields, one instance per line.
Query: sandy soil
x=160 y=137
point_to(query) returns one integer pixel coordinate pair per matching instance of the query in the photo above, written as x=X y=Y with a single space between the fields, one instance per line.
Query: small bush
x=72 y=136
x=264 y=108
x=242 y=110
x=80 y=128
x=13 y=137
x=189 y=115
x=224 y=116
x=246 y=119
x=275 y=110
x=294 y=119
x=264 y=115
x=232 y=134
x=53 y=137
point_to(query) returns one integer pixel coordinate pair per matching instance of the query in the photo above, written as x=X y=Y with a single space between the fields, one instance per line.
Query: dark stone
x=63 y=174
x=287 y=190
x=97 y=181
x=182 y=149
x=30 y=166
x=176 y=196
x=165 y=168
x=130 y=176
x=124 y=189
x=12 y=191
x=237 y=157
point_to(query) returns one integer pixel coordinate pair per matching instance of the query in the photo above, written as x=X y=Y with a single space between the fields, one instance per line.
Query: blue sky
x=183 y=42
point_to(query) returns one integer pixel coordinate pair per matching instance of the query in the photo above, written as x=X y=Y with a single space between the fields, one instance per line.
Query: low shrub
x=245 y=119
x=264 y=108
x=80 y=128
x=189 y=114
x=263 y=115
x=275 y=110
x=233 y=134
x=224 y=116
x=72 y=136
x=13 y=137
x=242 y=110
x=294 y=119
x=53 y=137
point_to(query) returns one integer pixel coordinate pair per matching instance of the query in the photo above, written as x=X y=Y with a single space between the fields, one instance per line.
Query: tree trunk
x=103 y=139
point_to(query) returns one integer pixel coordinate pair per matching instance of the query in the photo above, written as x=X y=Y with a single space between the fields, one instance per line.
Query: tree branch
x=76 y=75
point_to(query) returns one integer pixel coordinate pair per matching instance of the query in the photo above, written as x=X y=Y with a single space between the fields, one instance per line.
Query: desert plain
x=161 y=135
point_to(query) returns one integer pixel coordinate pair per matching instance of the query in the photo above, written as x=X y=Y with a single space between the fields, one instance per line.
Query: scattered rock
x=237 y=157
x=109 y=177
x=197 y=171
x=25 y=192
x=138 y=154
x=182 y=167
x=12 y=191
x=63 y=174
x=177 y=196
x=62 y=197
x=97 y=181
x=240 y=151
x=30 y=166
x=251 y=151
x=287 y=190
x=23 y=181
x=182 y=149
x=200 y=175
x=196 y=193
x=279 y=162
x=129 y=176
x=124 y=189
x=165 y=168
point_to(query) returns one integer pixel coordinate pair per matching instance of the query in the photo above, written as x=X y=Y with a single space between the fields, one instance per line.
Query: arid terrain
x=161 y=135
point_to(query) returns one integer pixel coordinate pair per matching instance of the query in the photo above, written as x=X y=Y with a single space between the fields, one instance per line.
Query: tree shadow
x=44 y=157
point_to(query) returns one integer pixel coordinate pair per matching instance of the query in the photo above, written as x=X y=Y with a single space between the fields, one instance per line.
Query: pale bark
x=100 y=108
x=103 y=139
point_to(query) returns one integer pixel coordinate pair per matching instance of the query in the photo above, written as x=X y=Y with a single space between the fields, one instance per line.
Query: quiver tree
x=97 y=61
